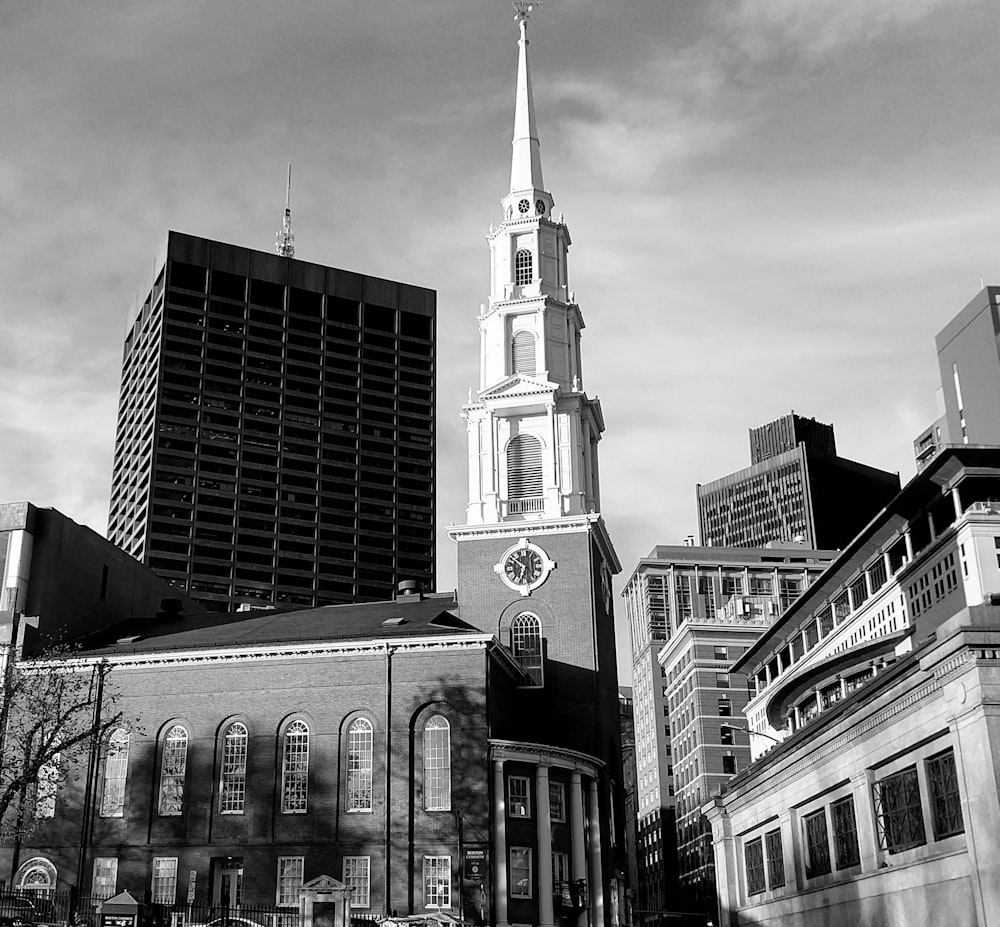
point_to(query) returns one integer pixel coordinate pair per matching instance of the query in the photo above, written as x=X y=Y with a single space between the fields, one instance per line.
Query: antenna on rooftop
x=285 y=240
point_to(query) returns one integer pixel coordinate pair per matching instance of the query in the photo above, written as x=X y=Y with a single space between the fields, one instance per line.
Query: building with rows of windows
x=873 y=706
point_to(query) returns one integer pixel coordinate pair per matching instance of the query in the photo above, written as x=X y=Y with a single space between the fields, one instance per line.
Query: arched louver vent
x=523 y=351
x=524 y=467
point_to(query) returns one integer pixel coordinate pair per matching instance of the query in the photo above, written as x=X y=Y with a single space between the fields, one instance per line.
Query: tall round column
x=544 y=832
x=596 y=870
x=499 y=845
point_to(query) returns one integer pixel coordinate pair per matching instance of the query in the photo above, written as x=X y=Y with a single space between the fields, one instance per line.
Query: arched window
x=36 y=875
x=522 y=266
x=115 y=774
x=173 y=766
x=437 y=764
x=233 y=784
x=295 y=769
x=523 y=352
x=524 y=467
x=526 y=644
x=49 y=777
x=359 y=765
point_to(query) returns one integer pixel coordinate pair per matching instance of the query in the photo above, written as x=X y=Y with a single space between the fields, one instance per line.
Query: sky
x=774 y=205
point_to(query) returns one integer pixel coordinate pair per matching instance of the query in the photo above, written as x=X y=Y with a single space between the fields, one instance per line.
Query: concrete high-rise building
x=275 y=437
x=692 y=611
x=796 y=489
x=968 y=350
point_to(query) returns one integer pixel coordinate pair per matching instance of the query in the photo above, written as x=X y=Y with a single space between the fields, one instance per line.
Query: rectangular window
x=817 y=844
x=775 y=859
x=946 y=803
x=722 y=680
x=726 y=735
x=560 y=868
x=520 y=872
x=725 y=707
x=518 y=797
x=898 y=816
x=357 y=877
x=557 y=802
x=729 y=765
x=164 y=887
x=845 y=833
x=105 y=877
x=753 y=853
x=721 y=653
x=437 y=881
x=290 y=877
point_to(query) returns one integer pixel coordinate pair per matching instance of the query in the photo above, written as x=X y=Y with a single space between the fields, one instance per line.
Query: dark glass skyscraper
x=275 y=434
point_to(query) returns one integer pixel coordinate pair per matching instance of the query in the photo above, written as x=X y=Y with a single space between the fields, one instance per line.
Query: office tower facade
x=275 y=437
x=796 y=489
x=692 y=611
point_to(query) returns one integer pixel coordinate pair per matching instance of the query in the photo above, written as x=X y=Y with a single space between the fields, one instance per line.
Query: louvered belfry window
x=523 y=352
x=524 y=467
x=522 y=267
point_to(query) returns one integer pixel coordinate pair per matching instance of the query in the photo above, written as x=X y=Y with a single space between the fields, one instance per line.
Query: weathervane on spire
x=285 y=240
x=523 y=8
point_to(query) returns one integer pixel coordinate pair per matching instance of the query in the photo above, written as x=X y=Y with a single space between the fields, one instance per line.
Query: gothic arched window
x=523 y=352
x=522 y=267
x=359 y=765
x=233 y=784
x=173 y=766
x=437 y=764
x=524 y=467
x=295 y=769
x=526 y=644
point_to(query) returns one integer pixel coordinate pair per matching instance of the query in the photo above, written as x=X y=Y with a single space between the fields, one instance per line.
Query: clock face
x=540 y=207
x=523 y=567
x=523 y=207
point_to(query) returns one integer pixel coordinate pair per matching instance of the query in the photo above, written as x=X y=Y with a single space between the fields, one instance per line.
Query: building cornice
x=545 y=755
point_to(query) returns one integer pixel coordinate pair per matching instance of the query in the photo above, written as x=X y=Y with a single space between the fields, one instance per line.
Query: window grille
x=518 y=797
x=290 y=878
x=523 y=353
x=753 y=853
x=898 y=817
x=295 y=769
x=520 y=872
x=359 y=765
x=946 y=802
x=357 y=876
x=524 y=467
x=437 y=764
x=817 y=845
x=115 y=773
x=526 y=645
x=775 y=859
x=173 y=766
x=845 y=833
x=522 y=267
x=164 y=887
x=233 y=785
x=437 y=881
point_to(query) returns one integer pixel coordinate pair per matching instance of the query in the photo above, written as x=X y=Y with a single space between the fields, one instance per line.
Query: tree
x=55 y=711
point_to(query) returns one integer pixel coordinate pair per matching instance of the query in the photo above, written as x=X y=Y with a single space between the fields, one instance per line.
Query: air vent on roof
x=131 y=639
x=393 y=622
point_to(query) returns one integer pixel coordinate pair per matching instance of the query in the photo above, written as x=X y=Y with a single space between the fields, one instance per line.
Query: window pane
x=233 y=785
x=115 y=771
x=359 y=765
x=775 y=859
x=105 y=877
x=526 y=644
x=522 y=267
x=520 y=872
x=518 y=798
x=437 y=881
x=898 y=816
x=946 y=803
x=817 y=845
x=172 y=769
x=754 y=856
x=295 y=769
x=164 y=880
x=845 y=833
x=557 y=801
x=437 y=765
x=290 y=870
x=357 y=876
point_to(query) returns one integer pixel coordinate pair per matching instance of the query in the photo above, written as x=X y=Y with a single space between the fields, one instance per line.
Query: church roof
x=406 y=617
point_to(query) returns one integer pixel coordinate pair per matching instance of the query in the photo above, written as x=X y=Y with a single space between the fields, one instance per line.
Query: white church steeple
x=533 y=432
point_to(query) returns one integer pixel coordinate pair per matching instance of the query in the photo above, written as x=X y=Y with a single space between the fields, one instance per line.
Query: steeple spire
x=285 y=240
x=526 y=161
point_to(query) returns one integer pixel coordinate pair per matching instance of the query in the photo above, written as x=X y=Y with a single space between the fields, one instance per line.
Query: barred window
x=524 y=467
x=290 y=878
x=946 y=802
x=817 y=844
x=357 y=877
x=520 y=872
x=753 y=853
x=522 y=266
x=173 y=766
x=295 y=769
x=233 y=785
x=437 y=881
x=775 y=859
x=437 y=764
x=164 y=887
x=526 y=645
x=359 y=765
x=898 y=817
x=523 y=352
x=557 y=801
x=518 y=797
x=845 y=833
x=115 y=773
x=105 y=883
